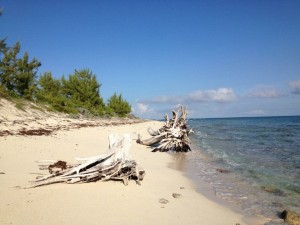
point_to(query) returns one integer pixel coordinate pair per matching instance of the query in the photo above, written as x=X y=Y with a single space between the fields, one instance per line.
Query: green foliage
x=3 y=46
x=37 y=108
x=48 y=87
x=3 y=92
x=117 y=105
x=50 y=91
x=82 y=91
x=8 y=67
x=25 y=82
x=18 y=75
x=20 y=105
x=79 y=93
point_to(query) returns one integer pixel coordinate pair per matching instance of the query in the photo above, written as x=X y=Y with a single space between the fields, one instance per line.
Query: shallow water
x=259 y=160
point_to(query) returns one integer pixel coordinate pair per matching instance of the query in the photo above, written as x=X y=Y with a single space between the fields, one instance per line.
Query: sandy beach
x=101 y=202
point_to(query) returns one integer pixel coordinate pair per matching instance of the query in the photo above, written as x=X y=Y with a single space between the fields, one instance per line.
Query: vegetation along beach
x=150 y=112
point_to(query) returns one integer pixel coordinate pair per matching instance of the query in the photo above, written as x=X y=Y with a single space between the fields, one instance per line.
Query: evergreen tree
x=48 y=85
x=18 y=75
x=117 y=105
x=25 y=82
x=3 y=46
x=8 y=67
x=82 y=91
x=50 y=91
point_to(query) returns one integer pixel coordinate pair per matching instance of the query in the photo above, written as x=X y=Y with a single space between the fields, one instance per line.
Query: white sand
x=31 y=117
x=91 y=203
x=101 y=202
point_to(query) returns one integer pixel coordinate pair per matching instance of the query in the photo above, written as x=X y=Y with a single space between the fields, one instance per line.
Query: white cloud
x=213 y=102
x=145 y=111
x=263 y=91
x=164 y=104
x=163 y=99
x=219 y=95
x=295 y=86
x=142 y=108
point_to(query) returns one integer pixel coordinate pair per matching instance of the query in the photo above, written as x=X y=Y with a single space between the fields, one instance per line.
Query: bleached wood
x=114 y=164
x=173 y=135
x=153 y=132
x=152 y=140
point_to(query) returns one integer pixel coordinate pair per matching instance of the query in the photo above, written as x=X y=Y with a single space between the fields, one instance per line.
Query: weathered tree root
x=172 y=136
x=114 y=164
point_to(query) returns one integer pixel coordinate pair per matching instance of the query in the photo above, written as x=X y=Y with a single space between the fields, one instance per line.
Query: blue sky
x=219 y=58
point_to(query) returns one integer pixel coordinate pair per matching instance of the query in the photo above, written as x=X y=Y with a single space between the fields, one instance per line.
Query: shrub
x=118 y=106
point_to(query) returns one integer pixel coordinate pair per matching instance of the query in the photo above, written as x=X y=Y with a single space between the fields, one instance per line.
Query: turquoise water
x=260 y=157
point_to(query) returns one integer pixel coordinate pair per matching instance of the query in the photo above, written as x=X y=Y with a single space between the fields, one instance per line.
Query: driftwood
x=172 y=136
x=153 y=140
x=114 y=164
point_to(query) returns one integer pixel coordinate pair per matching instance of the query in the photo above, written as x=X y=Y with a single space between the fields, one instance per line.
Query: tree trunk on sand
x=172 y=136
x=114 y=164
x=151 y=141
x=153 y=132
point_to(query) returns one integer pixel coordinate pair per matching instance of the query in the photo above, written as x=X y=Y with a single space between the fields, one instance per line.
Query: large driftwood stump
x=172 y=136
x=114 y=164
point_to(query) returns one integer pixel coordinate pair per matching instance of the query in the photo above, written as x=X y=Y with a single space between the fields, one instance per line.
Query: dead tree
x=114 y=164
x=172 y=136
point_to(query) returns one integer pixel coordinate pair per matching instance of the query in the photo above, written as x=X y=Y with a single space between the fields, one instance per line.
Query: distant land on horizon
x=242 y=117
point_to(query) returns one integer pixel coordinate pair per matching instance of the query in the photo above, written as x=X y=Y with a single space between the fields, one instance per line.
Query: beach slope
x=100 y=202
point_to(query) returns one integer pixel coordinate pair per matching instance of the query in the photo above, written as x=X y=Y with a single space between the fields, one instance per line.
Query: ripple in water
x=262 y=156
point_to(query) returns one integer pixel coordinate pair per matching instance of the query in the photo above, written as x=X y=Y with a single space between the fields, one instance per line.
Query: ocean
x=253 y=163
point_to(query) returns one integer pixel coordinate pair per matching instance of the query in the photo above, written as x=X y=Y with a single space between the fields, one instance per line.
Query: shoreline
x=181 y=164
x=106 y=202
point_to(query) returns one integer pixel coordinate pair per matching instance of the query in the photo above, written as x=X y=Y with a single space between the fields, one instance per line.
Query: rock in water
x=274 y=191
x=222 y=170
x=291 y=217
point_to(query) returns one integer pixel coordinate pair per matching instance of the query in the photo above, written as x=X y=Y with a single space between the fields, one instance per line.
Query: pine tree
x=25 y=82
x=82 y=90
x=8 y=67
x=50 y=91
x=18 y=75
x=3 y=46
x=117 y=105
